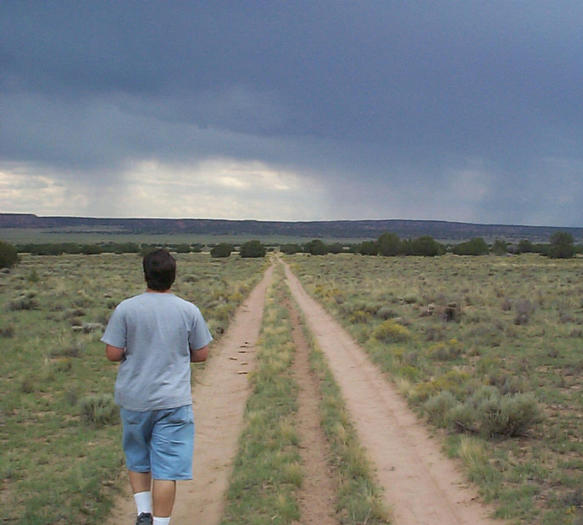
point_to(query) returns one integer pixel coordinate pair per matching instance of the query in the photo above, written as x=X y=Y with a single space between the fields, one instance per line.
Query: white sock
x=143 y=502
x=161 y=521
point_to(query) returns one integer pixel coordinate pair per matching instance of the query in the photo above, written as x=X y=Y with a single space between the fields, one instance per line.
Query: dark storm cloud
x=392 y=101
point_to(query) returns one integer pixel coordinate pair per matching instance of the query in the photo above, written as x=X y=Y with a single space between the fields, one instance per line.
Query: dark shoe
x=145 y=518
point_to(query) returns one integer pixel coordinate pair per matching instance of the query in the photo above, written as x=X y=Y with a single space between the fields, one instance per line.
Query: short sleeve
x=200 y=335
x=115 y=333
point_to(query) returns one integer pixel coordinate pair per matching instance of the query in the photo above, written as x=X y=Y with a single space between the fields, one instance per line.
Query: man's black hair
x=159 y=269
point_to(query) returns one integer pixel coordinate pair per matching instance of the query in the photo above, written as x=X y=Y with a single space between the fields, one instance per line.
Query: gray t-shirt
x=157 y=331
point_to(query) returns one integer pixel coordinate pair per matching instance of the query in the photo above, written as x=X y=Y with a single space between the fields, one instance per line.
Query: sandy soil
x=421 y=486
x=219 y=398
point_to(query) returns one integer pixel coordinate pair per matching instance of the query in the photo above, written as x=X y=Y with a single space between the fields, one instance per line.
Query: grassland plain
x=510 y=351
x=60 y=457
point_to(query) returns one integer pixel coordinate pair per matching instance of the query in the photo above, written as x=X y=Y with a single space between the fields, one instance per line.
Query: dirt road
x=421 y=486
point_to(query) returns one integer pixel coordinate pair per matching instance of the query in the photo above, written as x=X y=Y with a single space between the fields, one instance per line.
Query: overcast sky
x=298 y=110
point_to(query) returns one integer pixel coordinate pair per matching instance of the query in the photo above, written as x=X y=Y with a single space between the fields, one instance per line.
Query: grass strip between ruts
x=268 y=471
x=359 y=497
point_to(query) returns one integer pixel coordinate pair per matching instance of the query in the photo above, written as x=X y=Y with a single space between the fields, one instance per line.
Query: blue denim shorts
x=159 y=441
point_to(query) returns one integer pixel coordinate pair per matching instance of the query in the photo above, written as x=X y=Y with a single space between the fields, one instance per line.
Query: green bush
x=424 y=245
x=316 y=247
x=8 y=255
x=388 y=244
x=390 y=331
x=500 y=247
x=181 y=248
x=439 y=406
x=335 y=247
x=368 y=248
x=252 y=249
x=475 y=246
x=290 y=249
x=561 y=246
x=222 y=250
x=525 y=246
x=491 y=414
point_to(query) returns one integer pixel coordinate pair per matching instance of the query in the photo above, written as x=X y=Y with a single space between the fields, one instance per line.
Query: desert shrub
x=506 y=383
x=252 y=249
x=316 y=247
x=389 y=331
x=388 y=244
x=524 y=309
x=290 y=249
x=475 y=246
x=438 y=407
x=454 y=381
x=446 y=351
x=491 y=414
x=91 y=249
x=561 y=246
x=8 y=255
x=386 y=312
x=24 y=302
x=359 y=316
x=71 y=350
x=99 y=410
x=180 y=248
x=33 y=277
x=335 y=247
x=368 y=248
x=435 y=333
x=525 y=246
x=425 y=245
x=500 y=247
x=221 y=250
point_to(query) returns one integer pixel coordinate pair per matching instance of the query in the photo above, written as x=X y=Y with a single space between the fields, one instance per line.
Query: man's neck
x=149 y=290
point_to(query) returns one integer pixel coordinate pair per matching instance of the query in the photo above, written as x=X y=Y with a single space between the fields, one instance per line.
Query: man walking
x=155 y=336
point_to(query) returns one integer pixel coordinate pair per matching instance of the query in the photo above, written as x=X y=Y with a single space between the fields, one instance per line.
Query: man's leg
x=163 y=494
x=137 y=428
x=141 y=487
x=171 y=457
x=140 y=481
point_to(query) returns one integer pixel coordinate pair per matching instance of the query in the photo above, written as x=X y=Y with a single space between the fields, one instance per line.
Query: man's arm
x=199 y=355
x=113 y=353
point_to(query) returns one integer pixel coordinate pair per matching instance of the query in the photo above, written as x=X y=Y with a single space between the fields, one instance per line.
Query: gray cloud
x=422 y=110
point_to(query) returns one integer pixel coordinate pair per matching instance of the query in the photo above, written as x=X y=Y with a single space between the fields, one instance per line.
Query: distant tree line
x=561 y=246
x=97 y=248
x=389 y=244
x=252 y=248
